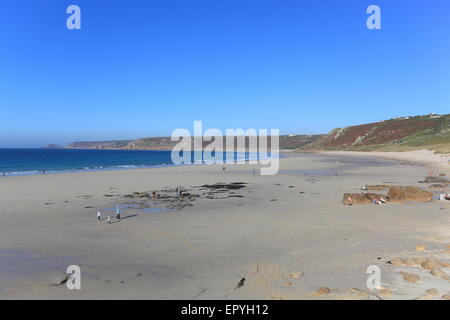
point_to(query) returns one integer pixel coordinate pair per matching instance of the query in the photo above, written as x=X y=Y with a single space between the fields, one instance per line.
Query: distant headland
x=406 y=133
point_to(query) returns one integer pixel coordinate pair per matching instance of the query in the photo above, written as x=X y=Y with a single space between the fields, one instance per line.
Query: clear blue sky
x=144 y=68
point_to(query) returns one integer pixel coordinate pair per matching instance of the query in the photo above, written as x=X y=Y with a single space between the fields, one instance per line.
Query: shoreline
x=63 y=171
x=424 y=157
x=37 y=172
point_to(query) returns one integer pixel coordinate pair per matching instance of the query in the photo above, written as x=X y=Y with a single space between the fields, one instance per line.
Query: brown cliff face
x=405 y=133
x=286 y=142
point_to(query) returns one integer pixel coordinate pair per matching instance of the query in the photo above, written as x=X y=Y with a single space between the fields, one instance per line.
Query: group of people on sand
x=155 y=195
x=444 y=196
x=376 y=200
x=108 y=218
x=179 y=191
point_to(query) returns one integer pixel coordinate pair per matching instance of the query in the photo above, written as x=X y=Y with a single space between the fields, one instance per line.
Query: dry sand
x=437 y=161
x=288 y=235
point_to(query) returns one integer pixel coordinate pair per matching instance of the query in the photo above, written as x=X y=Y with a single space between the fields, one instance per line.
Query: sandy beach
x=436 y=161
x=288 y=235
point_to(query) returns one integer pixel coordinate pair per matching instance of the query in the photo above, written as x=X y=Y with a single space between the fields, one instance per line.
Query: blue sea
x=38 y=161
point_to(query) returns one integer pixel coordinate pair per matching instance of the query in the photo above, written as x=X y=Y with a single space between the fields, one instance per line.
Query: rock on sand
x=433 y=292
x=431 y=264
x=440 y=274
x=403 y=194
x=421 y=247
x=410 y=277
x=296 y=275
x=360 y=198
x=322 y=291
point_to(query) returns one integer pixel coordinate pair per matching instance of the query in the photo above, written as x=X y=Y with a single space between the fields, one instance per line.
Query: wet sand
x=288 y=235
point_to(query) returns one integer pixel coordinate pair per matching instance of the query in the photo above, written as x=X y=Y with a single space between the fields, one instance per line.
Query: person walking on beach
x=118 y=212
x=99 y=215
x=108 y=220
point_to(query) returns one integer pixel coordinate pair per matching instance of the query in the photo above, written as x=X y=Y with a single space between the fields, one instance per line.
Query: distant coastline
x=430 y=132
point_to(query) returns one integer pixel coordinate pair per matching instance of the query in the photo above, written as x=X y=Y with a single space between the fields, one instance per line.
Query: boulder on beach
x=410 y=277
x=421 y=247
x=359 y=292
x=322 y=291
x=404 y=194
x=395 y=194
x=295 y=275
x=433 y=292
x=361 y=198
x=385 y=292
x=407 y=262
x=419 y=260
x=438 y=273
x=378 y=187
x=431 y=264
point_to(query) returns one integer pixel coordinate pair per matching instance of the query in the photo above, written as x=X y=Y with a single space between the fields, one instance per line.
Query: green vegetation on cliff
x=430 y=132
